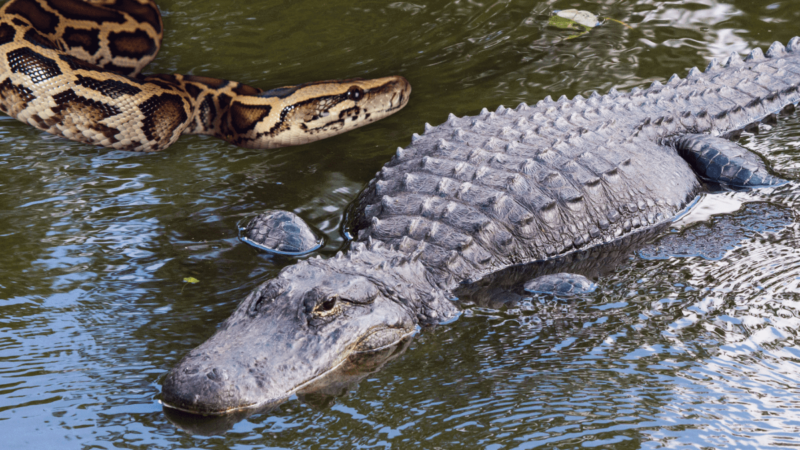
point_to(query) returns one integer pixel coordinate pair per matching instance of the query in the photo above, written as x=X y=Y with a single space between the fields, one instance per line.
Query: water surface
x=689 y=343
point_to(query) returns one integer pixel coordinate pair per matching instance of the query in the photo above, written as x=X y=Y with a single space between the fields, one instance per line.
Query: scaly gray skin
x=281 y=233
x=479 y=194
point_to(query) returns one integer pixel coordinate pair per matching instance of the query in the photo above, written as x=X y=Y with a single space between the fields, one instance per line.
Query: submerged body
x=72 y=68
x=479 y=194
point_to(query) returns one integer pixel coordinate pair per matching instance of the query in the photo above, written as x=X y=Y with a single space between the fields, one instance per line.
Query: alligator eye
x=327 y=305
x=355 y=93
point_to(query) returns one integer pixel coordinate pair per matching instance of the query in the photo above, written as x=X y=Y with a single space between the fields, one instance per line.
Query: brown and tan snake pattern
x=72 y=68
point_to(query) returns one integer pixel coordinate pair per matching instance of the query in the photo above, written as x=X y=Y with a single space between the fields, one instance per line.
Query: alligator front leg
x=721 y=161
x=564 y=285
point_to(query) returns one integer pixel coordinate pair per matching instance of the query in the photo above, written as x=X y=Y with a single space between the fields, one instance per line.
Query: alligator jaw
x=313 y=383
x=286 y=336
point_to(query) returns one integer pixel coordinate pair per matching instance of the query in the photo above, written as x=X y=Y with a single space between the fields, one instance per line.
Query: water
x=690 y=342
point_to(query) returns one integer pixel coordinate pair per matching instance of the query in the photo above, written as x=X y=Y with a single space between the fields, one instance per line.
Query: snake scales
x=72 y=68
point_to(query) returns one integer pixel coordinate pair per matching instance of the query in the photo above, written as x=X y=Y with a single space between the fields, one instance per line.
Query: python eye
x=355 y=93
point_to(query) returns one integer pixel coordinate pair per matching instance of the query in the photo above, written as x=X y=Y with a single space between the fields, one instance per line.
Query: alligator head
x=293 y=330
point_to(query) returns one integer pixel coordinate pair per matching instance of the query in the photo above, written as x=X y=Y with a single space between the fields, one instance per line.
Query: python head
x=293 y=330
x=304 y=113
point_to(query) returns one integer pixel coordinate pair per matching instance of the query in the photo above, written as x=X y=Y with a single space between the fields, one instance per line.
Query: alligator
x=482 y=194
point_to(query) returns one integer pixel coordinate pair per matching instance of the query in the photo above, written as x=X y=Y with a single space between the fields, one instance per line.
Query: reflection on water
x=688 y=341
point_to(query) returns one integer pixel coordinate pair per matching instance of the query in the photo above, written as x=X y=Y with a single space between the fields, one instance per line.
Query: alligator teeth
x=428 y=127
x=794 y=44
x=776 y=50
x=755 y=55
x=414 y=137
x=400 y=152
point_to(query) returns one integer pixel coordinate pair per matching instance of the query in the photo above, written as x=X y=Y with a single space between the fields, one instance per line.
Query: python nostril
x=217 y=374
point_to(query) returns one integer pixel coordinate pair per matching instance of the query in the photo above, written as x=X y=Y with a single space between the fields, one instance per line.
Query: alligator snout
x=196 y=387
x=287 y=335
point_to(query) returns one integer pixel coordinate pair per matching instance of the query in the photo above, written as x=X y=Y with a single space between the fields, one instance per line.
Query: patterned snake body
x=72 y=68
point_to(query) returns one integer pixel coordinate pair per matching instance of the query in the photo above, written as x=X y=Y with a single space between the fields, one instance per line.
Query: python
x=73 y=68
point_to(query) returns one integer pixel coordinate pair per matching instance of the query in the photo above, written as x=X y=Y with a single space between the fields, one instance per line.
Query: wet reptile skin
x=479 y=194
x=476 y=194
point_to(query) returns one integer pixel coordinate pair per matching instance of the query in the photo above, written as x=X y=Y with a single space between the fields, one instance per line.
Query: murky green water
x=672 y=351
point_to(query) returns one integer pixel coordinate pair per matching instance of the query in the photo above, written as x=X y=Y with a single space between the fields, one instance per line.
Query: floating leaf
x=192 y=280
x=582 y=18
x=565 y=24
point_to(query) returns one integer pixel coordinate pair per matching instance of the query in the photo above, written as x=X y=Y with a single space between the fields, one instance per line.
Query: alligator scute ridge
x=478 y=194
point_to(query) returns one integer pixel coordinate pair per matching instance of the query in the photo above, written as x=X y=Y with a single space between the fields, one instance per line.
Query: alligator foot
x=281 y=233
x=561 y=285
x=721 y=161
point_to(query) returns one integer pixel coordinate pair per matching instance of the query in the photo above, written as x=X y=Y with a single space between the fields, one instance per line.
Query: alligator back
x=476 y=194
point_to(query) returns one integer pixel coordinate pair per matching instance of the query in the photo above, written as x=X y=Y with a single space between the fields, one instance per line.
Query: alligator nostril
x=217 y=374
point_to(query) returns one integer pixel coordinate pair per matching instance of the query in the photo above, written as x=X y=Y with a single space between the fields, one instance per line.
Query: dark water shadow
x=504 y=288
